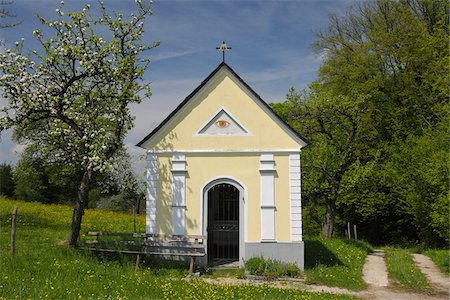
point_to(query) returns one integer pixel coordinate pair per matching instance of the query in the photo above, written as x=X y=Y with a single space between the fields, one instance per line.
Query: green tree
x=125 y=188
x=338 y=136
x=40 y=181
x=31 y=179
x=377 y=119
x=396 y=54
x=71 y=96
x=6 y=180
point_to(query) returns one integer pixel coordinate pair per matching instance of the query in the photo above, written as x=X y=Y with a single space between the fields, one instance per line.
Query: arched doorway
x=223 y=201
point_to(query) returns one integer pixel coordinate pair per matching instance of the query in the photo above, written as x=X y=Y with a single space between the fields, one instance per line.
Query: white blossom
x=30 y=87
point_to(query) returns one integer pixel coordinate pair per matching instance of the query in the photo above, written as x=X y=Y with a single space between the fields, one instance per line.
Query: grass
x=44 y=268
x=223 y=273
x=270 y=268
x=403 y=270
x=336 y=262
x=441 y=257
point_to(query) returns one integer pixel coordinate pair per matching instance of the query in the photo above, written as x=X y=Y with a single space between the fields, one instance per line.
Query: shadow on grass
x=316 y=253
x=33 y=221
x=359 y=244
x=157 y=265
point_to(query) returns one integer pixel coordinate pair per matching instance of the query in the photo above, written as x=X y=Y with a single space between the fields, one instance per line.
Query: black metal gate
x=223 y=224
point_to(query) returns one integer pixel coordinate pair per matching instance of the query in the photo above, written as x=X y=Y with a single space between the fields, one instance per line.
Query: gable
x=222 y=123
x=223 y=96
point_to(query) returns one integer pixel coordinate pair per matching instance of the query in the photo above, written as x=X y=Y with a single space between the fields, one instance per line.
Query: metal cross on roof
x=223 y=48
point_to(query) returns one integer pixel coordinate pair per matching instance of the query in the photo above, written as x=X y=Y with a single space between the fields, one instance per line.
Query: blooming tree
x=71 y=96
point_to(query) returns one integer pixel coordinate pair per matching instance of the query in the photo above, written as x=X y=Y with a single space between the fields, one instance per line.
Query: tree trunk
x=78 y=211
x=328 y=226
x=138 y=205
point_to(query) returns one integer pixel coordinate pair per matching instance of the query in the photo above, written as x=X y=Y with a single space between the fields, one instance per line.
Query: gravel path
x=438 y=280
x=375 y=272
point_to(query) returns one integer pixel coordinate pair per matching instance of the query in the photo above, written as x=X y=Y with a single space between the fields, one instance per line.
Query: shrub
x=271 y=268
x=292 y=270
x=256 y=266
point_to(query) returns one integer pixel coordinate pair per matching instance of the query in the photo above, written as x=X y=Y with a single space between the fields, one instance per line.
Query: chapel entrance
x=223 y=224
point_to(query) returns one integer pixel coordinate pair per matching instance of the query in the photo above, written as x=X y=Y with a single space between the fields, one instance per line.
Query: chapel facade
x=225 y=166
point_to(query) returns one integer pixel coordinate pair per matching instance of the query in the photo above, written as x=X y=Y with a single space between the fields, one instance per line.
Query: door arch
x=223 y=220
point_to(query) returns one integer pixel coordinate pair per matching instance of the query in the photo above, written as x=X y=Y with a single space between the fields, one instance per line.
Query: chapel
x=225 y=166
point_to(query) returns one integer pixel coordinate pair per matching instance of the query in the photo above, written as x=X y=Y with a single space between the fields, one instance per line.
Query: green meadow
x=336 y=262
x=44 y=268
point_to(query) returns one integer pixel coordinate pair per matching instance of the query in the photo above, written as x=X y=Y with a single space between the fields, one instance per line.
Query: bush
x=292 y=270
x=271 y=268
x=256 y=266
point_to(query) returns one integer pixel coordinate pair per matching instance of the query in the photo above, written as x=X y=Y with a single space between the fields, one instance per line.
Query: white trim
x=267 y=187
x=247 y=132
x=221 y=151
x=295 y=197
x=179 y=193
x=267 y=223
x=243 y=209
x=151 y=193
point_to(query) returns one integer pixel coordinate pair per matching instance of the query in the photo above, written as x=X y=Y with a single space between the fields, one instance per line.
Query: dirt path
x=437 y=280
x=369 y=294
x=375 y=272
x=376 y=276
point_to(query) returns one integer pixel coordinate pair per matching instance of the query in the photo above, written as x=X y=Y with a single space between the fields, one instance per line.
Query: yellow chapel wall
x=203 y=168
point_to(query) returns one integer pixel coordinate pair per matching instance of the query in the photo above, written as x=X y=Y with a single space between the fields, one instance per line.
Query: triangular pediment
x=222 y=113
x=222 y=123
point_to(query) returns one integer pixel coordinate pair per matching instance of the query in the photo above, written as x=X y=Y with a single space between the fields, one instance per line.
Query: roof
x=204 y=82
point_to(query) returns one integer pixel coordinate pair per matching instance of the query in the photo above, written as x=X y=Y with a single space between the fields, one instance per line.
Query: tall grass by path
x=403 y=270
x=441 y=257
x=336 y=262
x=43 y=268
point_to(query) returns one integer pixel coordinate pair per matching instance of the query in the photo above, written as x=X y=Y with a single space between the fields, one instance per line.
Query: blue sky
x=270 y=43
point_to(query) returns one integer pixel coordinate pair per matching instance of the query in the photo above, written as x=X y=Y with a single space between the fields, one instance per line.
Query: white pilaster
x=179 y=193
x=295 y=197
x=267 y=171
x=152 y=192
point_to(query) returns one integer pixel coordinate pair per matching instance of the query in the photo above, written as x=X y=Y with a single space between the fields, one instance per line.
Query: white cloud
x=172 y=54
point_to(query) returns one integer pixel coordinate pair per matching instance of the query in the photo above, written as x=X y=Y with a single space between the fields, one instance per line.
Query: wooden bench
x=192 y=246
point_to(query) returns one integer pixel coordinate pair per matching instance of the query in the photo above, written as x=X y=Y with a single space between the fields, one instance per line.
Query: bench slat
x=146 y=253
x=159 y=236
x=172 y=245
x=149 y=244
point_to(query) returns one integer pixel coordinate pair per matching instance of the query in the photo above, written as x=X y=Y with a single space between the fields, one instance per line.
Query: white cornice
x=227 y=151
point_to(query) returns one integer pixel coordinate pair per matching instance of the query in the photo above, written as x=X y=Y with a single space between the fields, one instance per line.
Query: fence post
x=134 y=219
x=13 y=231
